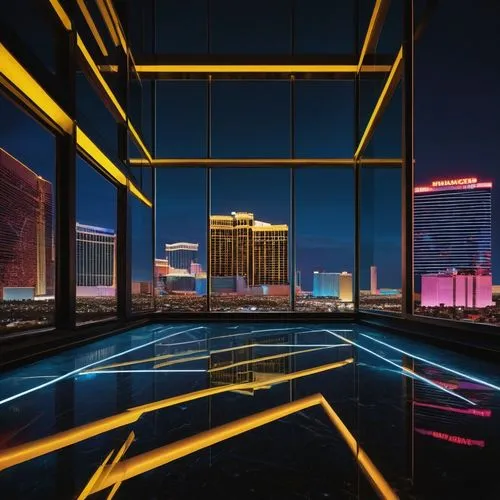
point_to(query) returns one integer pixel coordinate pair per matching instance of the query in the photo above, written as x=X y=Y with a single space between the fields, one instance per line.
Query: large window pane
x=249 y=239
x=181 y=225
x=250 y=119
x=324 y=119
x=27 y=221
x=324 y=205
x=457 y=246
x=182 y=119
x=380 y=239
x=96 y=200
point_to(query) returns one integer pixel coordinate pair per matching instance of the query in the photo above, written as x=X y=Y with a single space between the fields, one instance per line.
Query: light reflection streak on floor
x=405 y=371
x=443 y=367
x=78 y=370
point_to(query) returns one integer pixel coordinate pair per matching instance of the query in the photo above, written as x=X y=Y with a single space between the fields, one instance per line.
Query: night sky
x=457 y=104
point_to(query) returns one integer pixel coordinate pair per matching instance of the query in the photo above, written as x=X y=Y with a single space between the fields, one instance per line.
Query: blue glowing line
x=74 y=372
x=142 y=371
x=403 y=371
x=451 y=370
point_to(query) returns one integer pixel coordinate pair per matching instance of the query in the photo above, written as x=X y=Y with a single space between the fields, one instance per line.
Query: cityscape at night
x=249 y=250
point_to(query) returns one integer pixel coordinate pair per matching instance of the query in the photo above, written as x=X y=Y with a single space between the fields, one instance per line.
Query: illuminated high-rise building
x=373 y=280
x=245 y=247
x=334 y=285
x=26 y=239
x=181 y=255
x=95 y=256
x=453 y=226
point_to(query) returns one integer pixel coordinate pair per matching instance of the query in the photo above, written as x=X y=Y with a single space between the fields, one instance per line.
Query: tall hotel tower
x=26 y=249
x=95 y=256
x=243 y=246
x=453 y=226
x=181 y=255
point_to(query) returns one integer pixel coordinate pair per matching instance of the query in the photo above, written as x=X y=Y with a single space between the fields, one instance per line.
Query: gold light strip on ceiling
x=138 y=194
x=255 y=68
x=93 y=28
x=100 y=79
x=242 y=162
x=111 y=96
x=373 y=32
x=261 y=359
x=117 y=25
x=27 y=451
x=61 y=14
x=32 y=94
x=151 y=460
x=386 y=94
x=107 y=20
x=252 y=68
x=91 y=149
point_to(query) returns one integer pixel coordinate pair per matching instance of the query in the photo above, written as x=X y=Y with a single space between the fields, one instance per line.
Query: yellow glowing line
x=252 y=68
x=29 y=88
x=114 y=101
x=386 y=94
x=151 y=460
x=93 y=27
x=140 y=361
x=117 y=25
x=125 y=446
x=234 y=162
x=28 y=451
x=256 y=68
x=181 y=360
x=376 y=21
x=95 y=70
x=263 y=358
x=139 y=142
x=61 y=13
x=107 y=20
x=91 y=149
x=93 y=480
x=135 y=191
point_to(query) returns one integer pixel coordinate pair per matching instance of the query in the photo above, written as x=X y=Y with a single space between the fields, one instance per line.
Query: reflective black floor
x=428 y=419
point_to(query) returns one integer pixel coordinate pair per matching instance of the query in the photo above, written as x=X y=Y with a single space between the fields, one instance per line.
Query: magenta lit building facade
x=456 y=290
x=26 y=229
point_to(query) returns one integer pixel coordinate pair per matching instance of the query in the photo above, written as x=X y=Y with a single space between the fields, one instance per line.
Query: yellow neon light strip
x=251 y=68
x=93 y=28
x=28 y=451
x=235 y=162
x=376 y=21
x=181 y=360
x=28 y=87
x=258 y=68
x=138 y=194
x=151 y=460
x=117 y=24
x=389 y=87
x=61 y=13
x=91 y=149
x=139 y=142
x=102 y=82
x=114 y=101
x=263 y=358
x=109 y=23
x=90 y=485
x=140 y=361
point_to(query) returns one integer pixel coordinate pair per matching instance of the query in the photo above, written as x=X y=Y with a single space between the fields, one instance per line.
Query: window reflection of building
x=240 y=365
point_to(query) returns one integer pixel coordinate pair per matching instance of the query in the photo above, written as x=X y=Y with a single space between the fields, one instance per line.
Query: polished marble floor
x=427 y=419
